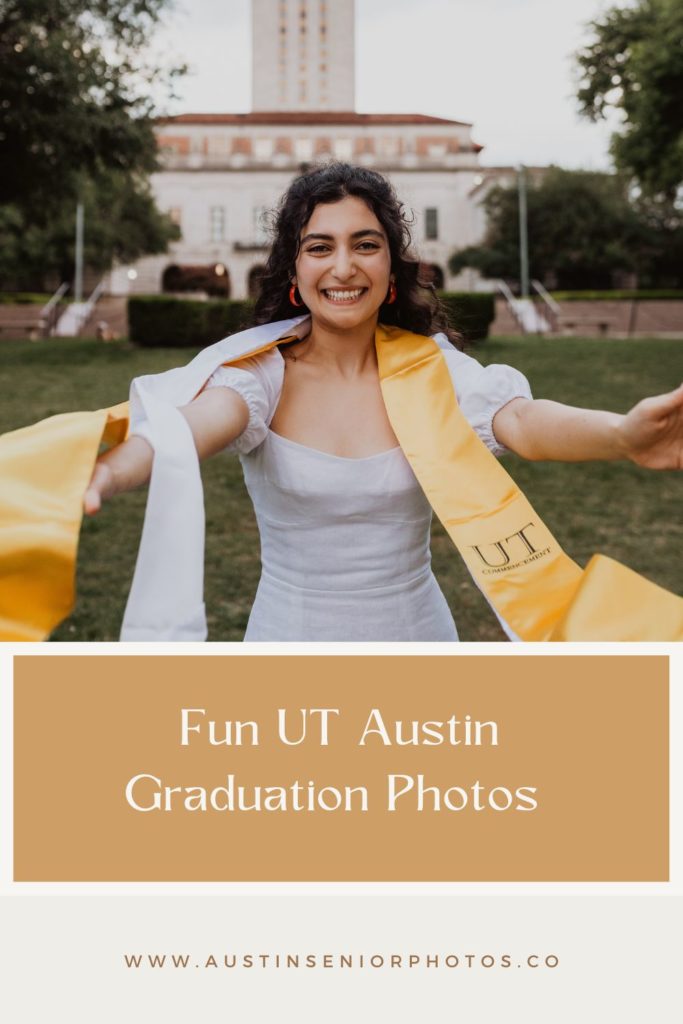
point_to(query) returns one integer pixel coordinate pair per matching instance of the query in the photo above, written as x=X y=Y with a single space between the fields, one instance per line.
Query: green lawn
x=617 y=509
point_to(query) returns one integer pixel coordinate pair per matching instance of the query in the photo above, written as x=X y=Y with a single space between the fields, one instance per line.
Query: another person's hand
x=652 y=432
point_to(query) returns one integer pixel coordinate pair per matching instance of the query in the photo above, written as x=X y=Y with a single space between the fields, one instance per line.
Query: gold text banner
x=323 y=768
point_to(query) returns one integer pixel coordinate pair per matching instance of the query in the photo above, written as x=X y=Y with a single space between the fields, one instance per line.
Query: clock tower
x=303 y=55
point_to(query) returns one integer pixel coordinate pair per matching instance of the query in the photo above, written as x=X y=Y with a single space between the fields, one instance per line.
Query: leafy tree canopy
x=583 y=228
x=77 y=122
x=122 y=223
x=75 y=93
x=635 y=65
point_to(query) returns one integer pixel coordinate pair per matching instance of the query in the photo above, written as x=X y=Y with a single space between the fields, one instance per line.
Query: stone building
x=223 y=173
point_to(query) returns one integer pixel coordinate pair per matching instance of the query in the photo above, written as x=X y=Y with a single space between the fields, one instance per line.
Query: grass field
x=617 y=509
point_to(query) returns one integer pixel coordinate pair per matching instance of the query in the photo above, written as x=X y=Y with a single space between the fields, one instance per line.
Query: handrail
x=78 y=314
x=552 y=305
x=85 y=311
x=90 y=304
x=52 y=302
x=504 y=289
x=528 y=317
x=50 y=313
x=547 y=297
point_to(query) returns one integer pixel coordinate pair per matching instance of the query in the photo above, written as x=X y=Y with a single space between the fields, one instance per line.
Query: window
x=217 y=223
x=219 y=145
x=303 y=149
x=388 y=145
x=263 y=149
x=343 y=149
x=431 y=222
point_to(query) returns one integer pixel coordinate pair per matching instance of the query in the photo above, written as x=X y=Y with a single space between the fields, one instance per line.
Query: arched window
x=212 y=280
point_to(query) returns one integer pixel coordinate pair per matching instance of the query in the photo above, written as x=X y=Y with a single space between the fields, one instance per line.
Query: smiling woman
x=343 y=275
x=355 y=415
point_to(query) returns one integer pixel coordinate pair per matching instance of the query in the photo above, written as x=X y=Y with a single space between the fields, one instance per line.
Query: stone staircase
x=20 y=321
x=604 y=318
x=504 y=322
x=112 y=311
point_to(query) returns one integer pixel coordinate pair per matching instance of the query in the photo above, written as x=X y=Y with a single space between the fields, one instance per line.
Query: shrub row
x=471 y=313
x=618 y=295
x=23 y=298
x=158 y=321
x=161 y=321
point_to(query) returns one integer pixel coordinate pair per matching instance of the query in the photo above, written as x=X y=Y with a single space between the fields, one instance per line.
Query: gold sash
x=512 y=556
x=530 y=582
x=44 y=471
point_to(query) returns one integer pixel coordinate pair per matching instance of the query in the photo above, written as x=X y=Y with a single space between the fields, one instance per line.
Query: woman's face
x=344 y=265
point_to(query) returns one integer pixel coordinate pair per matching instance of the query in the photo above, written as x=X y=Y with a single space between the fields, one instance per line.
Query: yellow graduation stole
x=512 y=556
x=538 y=591
x=44 y=472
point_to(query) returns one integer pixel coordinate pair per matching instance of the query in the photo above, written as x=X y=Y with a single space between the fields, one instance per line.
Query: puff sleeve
x=258 y=380
x=483 y=390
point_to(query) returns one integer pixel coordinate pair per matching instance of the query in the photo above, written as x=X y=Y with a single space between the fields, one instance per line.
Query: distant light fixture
x=219 y=270
x=132 y=274
x=478 y=178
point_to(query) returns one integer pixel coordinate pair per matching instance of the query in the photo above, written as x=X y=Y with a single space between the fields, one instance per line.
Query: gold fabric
x=44 y=471
x=512 y=556
x=515 y=560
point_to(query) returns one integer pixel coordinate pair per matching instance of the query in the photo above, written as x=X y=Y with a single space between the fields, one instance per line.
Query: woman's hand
x=216 y=417
x=652 y=432
x=122 y=468
x=100 y=488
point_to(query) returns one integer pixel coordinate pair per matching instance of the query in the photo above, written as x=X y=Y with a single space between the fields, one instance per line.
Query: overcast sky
x=504 y=65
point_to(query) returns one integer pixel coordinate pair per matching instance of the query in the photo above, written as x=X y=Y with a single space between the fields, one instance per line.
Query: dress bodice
x=344 y=547
x=337 y=523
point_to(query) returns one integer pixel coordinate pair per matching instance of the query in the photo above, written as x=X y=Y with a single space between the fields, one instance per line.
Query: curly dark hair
x=417 y=307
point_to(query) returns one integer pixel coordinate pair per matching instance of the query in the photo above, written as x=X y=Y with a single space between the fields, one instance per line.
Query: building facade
x=223 y=174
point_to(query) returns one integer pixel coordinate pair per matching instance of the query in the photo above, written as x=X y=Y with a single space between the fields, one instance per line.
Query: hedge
x=624 y=294
x=24 y=298
x=161 y=321
x=471 y=313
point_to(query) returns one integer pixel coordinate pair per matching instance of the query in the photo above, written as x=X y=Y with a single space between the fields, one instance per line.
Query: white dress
x=345 y=542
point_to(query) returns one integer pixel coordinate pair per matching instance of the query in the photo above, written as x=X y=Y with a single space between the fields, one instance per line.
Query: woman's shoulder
x=482 y=390
x=470 y=368
x=268 y=364
x=266 y=369
x=258 y=380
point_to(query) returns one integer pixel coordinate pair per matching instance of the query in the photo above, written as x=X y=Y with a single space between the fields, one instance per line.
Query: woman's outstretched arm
x=650 y=435
x=216 y=417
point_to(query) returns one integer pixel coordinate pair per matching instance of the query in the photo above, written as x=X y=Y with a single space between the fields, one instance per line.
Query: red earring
x=391 y=297
x=292 y=297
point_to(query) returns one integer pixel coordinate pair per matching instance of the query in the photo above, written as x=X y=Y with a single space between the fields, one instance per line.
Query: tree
x=122 y=224
x=77 y=122
x=635 y=65
x=582 y=229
